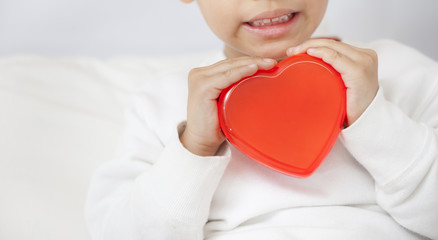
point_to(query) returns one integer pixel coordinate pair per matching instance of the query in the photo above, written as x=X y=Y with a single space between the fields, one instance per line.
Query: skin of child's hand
x=357 y=66
x=202 y=135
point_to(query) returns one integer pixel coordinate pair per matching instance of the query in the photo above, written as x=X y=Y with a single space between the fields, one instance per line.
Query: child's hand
x=357 y=66
x=203 y=135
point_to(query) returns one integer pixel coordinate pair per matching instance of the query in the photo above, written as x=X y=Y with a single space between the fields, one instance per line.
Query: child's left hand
x=357 y=66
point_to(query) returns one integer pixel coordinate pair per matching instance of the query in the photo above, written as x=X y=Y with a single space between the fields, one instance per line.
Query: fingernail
x=268 y=60
x=311 y=50
x=295 y=50
x=290 y=51
x=253 y=65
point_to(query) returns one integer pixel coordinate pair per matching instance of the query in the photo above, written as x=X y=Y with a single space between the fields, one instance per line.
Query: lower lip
x=273 y=31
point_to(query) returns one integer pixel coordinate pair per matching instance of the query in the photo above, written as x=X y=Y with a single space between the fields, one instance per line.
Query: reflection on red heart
x=287 y=118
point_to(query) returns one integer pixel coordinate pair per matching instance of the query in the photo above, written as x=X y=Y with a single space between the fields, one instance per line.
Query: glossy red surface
x=287 y=118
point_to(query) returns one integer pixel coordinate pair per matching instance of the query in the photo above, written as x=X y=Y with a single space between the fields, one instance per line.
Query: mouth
x=272 y=24
x=272 y=21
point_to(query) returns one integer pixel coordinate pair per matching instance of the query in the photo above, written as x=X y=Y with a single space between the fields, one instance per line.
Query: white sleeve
x=402 y=156
x=153 y=190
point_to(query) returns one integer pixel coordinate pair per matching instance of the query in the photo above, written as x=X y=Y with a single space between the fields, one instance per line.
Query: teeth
x=268 y=22
x=284 y=18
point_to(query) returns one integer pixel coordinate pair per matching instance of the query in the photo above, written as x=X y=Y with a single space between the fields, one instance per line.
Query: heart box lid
x=287 y=118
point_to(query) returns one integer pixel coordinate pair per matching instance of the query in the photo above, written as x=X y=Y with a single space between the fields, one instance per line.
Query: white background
x=106 y=28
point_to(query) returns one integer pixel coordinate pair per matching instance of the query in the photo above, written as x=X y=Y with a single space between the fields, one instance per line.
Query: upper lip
x=271 y=14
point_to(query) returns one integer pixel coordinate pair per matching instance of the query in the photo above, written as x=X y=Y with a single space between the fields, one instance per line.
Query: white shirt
x=380 y=181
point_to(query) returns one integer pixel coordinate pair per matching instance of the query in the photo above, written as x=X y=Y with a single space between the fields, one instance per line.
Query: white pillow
x=60 y=119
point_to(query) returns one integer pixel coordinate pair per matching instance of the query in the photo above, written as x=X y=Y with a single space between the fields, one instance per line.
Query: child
x=178 y=178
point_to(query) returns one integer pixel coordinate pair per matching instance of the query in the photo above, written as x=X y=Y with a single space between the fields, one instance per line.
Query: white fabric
x=380 y=180
x=60 y=118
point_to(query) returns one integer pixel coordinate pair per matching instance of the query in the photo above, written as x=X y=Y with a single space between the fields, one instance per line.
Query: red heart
x=287 y=118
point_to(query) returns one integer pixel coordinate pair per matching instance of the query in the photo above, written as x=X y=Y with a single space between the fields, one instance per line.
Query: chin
x=275 y=51
x=273 y=54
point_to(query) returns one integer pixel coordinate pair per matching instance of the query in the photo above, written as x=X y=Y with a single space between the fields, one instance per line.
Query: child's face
x=263 y=28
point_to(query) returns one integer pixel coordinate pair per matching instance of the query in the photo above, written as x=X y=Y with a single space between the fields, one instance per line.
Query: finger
x=302 y=48
x=343 y=48
x=243 y=69
x=211 y=86
x=231 y=76
x=225 y=65
x=337 y=60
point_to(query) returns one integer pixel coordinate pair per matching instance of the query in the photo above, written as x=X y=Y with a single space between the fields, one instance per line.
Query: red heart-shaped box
x=287 y=118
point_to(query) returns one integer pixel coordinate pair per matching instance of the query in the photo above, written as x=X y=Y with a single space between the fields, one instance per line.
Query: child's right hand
x=202 y=135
